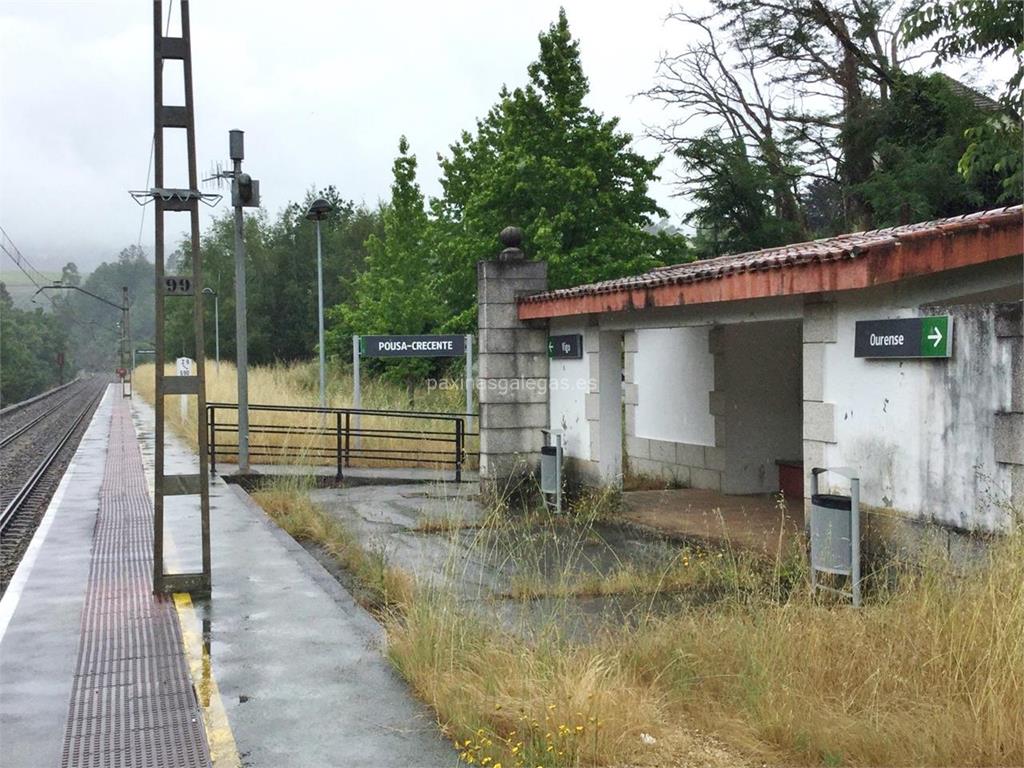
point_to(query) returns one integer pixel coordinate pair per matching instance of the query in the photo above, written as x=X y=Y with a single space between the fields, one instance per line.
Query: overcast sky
x=322 y=89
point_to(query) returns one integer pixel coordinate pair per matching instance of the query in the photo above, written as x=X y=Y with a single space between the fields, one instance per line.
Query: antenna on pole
x=216 y=176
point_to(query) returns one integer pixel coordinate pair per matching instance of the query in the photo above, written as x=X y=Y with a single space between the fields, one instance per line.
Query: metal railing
x=343 y=436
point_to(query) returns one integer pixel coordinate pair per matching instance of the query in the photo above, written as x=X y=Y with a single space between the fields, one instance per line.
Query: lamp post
x=317 y=211
x=216 y=322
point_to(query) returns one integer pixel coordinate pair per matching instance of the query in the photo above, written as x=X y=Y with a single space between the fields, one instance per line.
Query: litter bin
x=549 y=480
x=551 y=468
x=835 y=533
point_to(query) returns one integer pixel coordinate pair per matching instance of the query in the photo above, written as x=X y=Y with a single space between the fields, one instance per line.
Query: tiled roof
x=830 y=249
x=973 y=95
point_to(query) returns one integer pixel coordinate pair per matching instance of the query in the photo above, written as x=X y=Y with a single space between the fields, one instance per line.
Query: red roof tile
x=825 y=251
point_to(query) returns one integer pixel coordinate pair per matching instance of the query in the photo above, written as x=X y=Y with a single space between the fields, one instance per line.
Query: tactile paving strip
x=132 y=703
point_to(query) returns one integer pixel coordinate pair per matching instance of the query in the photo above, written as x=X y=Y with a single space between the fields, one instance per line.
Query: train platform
x=278 y=667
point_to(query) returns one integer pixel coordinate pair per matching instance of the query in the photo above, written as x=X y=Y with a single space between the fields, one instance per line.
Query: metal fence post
x=458 y=450
x=211 y=413
x=855 y=539
x=337 y=423
x=357 y=398
x=348 y=434
x=469 y=381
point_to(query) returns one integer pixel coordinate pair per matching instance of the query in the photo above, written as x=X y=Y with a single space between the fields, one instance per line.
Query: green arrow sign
x=904 y=337
x=935 y=336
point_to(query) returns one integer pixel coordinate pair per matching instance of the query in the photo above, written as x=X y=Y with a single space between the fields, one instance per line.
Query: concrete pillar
x=513 y=365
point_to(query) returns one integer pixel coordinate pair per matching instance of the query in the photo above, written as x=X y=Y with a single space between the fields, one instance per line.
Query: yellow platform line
x=223 y=751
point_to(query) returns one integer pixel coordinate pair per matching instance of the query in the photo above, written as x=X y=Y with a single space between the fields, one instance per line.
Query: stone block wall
x=513 y=370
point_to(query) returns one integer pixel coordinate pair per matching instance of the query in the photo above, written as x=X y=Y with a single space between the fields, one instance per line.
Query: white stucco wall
x=569 y=384
x=920 y=432
x=763 y=393
x=674 y=372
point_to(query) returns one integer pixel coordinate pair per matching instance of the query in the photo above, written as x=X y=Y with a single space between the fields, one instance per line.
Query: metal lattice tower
x=195 y=485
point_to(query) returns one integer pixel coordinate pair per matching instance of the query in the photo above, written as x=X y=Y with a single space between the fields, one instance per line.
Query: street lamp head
x=209 y=291
x=319 y=209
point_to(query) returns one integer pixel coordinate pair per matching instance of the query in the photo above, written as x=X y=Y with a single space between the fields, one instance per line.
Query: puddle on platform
x=449 y=545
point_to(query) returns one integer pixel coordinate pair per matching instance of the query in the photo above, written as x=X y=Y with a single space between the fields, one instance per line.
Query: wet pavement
x=298 y=663
x=41 y=611
x=441 y=535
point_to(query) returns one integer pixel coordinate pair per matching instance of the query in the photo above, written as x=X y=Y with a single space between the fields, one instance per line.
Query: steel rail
x=7 y=439
x=14 y=506
x=7 y=410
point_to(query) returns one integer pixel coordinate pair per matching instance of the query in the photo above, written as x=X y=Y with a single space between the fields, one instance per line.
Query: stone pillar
x=819 y=329
x=513 y=373
x=1009 y=424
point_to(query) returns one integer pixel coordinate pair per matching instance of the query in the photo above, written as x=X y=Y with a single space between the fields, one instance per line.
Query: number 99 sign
x=177 y=286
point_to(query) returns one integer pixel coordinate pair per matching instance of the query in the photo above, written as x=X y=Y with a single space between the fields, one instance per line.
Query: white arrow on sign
x=935 y=337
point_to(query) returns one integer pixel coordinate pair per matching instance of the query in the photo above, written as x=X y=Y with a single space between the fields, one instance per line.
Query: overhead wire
x=21 y=262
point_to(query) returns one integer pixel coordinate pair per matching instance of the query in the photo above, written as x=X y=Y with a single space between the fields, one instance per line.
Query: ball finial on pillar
x=512 y=239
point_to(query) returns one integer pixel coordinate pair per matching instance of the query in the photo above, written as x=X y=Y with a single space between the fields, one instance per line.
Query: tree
x=735 y=209
x=94 y=327
x=280 y=277
x=544 y=161
x=743 y=170
x=918 y=136
x=844 y=50
x=395 y=293
x=812 y=123
x=30 y=341
x=985 y=29
x=778 y=57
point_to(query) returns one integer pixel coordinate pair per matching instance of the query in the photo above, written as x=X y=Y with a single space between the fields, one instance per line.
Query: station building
x=897 y=352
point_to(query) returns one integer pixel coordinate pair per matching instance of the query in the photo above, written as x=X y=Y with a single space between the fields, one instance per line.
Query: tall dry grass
x=380 y=587
x=297 y=384
x=549 y=703
x=929 y=672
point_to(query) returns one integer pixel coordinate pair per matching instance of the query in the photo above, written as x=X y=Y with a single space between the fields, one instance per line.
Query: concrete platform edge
x=320 y=575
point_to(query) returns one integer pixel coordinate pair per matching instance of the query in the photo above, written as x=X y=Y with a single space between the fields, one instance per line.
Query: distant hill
x=21 y=288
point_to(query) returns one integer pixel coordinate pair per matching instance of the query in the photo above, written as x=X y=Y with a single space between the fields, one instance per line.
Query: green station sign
x=904 y=337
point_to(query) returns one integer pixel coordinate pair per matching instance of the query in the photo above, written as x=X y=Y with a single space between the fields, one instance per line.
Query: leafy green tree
x=734 y=209
x=544 y=161
x=94 y=327
x=818 y=127
x=30 y=341
x=838 y=55
x=395 y=294
x=280 y=277
x=984 y=29
x=919 y=137
x=743 y=168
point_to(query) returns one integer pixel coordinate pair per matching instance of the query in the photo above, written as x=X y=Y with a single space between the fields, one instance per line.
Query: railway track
x=36 y=445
